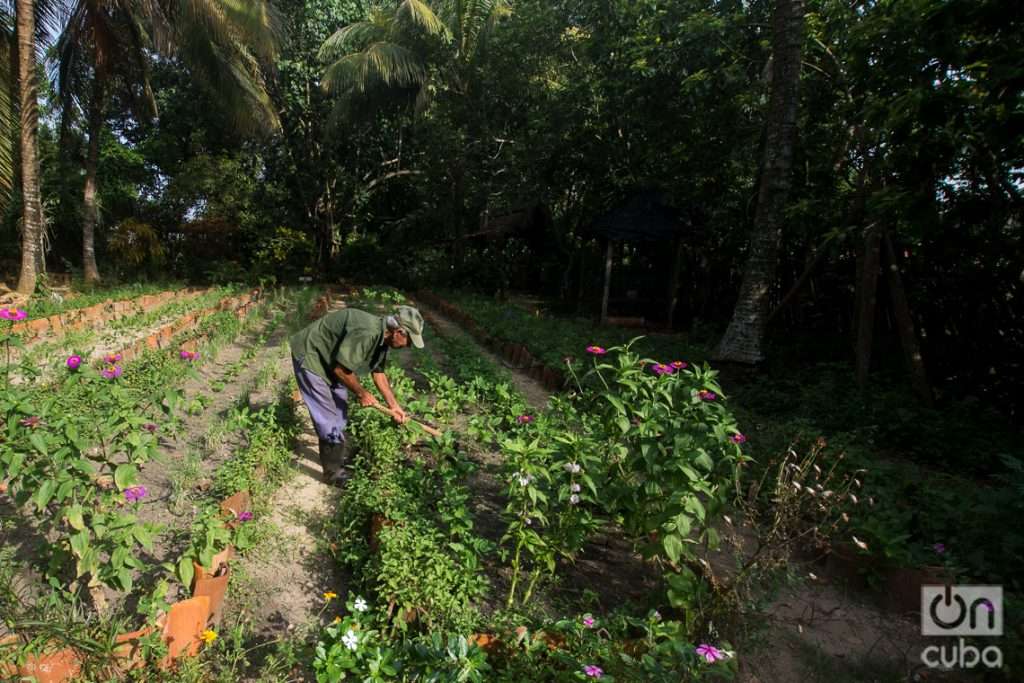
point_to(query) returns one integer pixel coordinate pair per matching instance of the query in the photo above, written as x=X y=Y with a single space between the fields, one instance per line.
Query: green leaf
x=186 y=571
x=673 y=547
x=38 y=441
x=614 y=400
x=14 y=468
x=125 y=475
x=80 y=543
x=75 y=517
x=124 y=578
x=45 y=493
x=143 y=536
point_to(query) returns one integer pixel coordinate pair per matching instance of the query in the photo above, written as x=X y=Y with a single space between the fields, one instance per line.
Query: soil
x=282 y=582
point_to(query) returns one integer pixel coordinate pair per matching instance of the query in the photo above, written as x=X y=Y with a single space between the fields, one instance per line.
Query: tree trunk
x=905 y=327
x=90 y=212
x=609 y=251
x=32 y=210
x=744 y=337
x=867 y=298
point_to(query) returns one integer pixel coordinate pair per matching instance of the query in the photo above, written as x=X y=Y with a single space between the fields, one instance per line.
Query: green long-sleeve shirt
x=350 y=338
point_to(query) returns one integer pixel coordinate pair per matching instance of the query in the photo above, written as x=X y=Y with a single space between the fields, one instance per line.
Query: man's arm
x=352 y=383
x=384 y=387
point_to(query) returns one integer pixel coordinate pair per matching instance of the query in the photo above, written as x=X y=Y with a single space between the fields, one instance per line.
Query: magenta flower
x=597 y=350
x=738 y=438
x=73 y=362
x=939 y=548
x=678 y=364
x=662 y=369
x=188 y=355
x=31 y=421
x=111 y=372
x=588 y=621
x=707 y=395
x=593 y=671
x=524 y=419
x=150 y=427
x=134 y=494
x=244 y=516
x=111 y=358
x=13 y=314
x=710 y=653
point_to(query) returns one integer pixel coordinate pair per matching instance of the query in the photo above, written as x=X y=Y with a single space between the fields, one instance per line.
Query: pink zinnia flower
x=133 y=494
x=73 y=362
x=185 y=355
x=31 y=421
x=710 y=653
x=597 y=350
x=524 y=419
x=593 y=671
x=662 y=369
x=111 y=372
x=112 y=358
x=707 y=395
x=678 y=364
x=738 y=438
x=244 y=516
x=588 y=621
x=13 y=314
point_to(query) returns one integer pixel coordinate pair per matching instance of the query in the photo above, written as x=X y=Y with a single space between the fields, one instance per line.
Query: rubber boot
x=333 y=459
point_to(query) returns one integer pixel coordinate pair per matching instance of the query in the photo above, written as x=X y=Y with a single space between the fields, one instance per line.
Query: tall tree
x=106 y=44
x=745 y=335
x=32 y=209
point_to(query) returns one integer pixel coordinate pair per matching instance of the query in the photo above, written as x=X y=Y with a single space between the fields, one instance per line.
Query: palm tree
x=743 y=338
x=105 y=44
x=383 y=51
x=32 y=209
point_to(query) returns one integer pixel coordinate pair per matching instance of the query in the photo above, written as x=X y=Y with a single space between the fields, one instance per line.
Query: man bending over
x=330 y=354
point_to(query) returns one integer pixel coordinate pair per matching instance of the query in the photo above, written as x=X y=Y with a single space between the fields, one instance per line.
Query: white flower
x=572 y=467
x=528 y=521
x=350 y=639
x=854 y=499
x=575 y=488
x=360 y=605
x=574 y=499
x=524 y=479
x=859 y=543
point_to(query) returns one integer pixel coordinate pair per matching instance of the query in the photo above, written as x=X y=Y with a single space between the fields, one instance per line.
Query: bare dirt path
x=280 y=584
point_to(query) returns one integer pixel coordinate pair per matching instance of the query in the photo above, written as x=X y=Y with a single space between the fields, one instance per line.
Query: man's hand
x=398 y=414
x=368 y=400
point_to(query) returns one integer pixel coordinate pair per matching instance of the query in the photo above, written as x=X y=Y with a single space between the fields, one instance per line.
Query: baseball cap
x=411 y=320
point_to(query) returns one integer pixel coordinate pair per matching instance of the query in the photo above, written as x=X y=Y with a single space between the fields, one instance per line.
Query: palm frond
x=418 y=13
x=379 y=64
x=351 y=37
x=257 y=24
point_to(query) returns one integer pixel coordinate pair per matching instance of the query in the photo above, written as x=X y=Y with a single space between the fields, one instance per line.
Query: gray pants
x=327 y=403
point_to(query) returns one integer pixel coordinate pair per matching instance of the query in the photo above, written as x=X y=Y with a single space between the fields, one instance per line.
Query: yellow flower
x=209 y=636
x=337 y=620
x=330 y=595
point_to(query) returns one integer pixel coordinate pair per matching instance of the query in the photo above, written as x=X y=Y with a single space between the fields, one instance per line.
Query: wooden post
x=673 y=286
x=607 y=282
x=867 y=299
x=905 y=326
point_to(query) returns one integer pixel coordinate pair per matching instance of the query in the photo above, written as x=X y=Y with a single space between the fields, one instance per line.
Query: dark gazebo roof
x=643 y=217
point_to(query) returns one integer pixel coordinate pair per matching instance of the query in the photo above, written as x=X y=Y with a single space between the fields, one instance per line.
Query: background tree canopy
x=352 y=138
